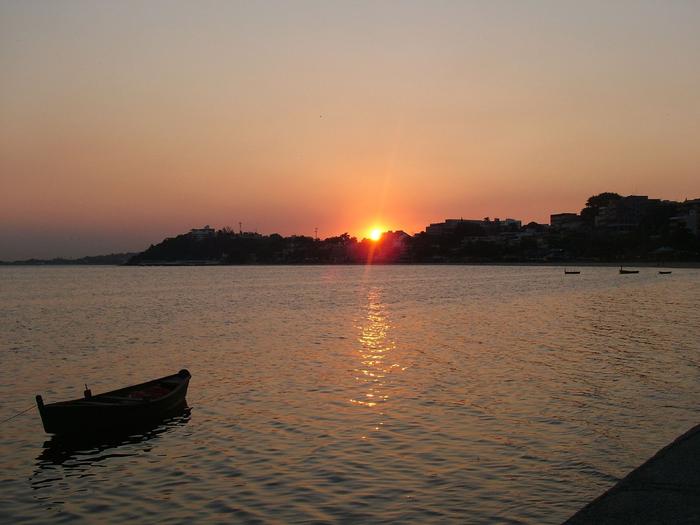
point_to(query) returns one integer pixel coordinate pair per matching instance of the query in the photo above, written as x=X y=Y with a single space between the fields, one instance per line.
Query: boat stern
x=42 y=412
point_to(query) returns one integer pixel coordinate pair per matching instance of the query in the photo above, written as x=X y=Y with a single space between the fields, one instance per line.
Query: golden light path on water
x=377 y=356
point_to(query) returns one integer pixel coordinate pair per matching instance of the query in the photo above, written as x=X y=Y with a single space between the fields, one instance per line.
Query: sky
x=125 y=122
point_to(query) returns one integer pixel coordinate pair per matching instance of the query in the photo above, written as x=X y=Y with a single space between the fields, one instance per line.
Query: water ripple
x=346 y=394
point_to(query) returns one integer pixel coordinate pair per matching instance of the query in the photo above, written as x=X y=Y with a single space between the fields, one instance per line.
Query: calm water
x=347 y=394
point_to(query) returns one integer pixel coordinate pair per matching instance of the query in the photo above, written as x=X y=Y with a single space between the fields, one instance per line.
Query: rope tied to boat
x=18 y=414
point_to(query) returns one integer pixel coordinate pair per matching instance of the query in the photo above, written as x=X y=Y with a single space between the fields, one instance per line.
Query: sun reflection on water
x=376 y=355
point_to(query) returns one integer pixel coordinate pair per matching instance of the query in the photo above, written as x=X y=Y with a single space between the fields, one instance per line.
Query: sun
x=375 y=234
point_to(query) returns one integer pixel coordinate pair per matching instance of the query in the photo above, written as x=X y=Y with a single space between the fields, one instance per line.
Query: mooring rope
x=17 y=414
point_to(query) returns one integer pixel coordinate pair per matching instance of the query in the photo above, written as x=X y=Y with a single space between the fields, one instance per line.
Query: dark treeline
x=226 y=247
x=610 y=228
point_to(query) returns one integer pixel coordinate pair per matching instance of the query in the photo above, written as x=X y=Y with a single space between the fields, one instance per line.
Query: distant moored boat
x=665 y=272
x=571 y=272
x=623 y=271
x=123 y=408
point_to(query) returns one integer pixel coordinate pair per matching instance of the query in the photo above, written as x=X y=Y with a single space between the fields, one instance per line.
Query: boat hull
x=115 y=410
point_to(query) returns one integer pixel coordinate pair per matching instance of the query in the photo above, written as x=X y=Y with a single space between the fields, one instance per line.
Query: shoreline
x=569 y=265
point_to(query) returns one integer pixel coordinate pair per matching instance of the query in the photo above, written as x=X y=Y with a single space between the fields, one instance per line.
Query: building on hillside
x=566 y=221
x=396 y=240
x=450 y=226
x=202 y=233
x=250 y=235
x=625 y=214
x=688 y=216
x=391 y=247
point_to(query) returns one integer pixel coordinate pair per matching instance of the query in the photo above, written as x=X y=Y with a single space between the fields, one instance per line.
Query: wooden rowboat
x=123 y=408
x=622 y=271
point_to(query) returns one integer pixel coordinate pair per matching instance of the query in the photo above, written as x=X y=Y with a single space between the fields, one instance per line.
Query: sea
x=345 y=394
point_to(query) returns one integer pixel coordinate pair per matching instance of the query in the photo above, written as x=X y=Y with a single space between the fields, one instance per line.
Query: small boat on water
x=131 y=406
x=623 y=271
x=571 y=272
x=665 y=272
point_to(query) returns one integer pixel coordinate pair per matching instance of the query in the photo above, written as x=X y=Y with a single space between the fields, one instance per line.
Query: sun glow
x=375 y=234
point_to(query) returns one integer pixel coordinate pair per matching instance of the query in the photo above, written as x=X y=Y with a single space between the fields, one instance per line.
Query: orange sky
x=121 y=123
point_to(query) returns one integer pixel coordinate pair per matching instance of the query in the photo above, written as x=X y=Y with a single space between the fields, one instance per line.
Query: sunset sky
x=125 y=122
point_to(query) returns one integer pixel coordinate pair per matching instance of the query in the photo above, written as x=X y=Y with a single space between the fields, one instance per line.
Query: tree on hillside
x=602 y=199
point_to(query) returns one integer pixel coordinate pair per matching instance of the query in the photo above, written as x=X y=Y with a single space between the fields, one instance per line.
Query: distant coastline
x=113 y=259
x=568 y=264
x=611 y=230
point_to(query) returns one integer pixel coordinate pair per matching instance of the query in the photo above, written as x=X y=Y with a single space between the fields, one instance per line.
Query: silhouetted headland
x=609 y=229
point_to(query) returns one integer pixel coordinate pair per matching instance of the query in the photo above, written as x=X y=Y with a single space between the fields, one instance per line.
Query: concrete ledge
x=665 y=489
